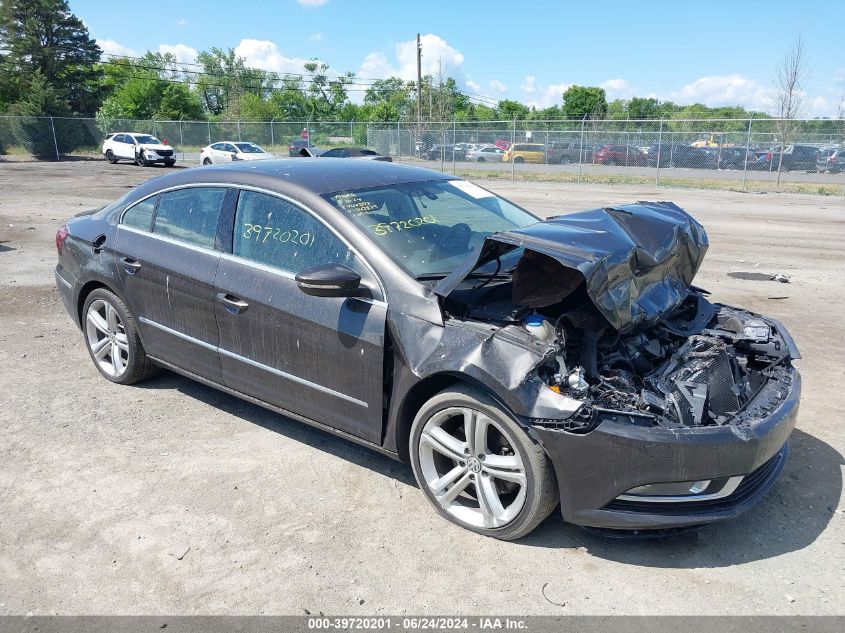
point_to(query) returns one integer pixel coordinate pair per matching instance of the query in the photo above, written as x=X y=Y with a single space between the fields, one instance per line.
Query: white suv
x=142 y=149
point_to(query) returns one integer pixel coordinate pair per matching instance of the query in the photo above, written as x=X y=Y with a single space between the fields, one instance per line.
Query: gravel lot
x=172 y=498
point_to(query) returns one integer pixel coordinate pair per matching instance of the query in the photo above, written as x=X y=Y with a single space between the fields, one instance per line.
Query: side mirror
x=331 y=280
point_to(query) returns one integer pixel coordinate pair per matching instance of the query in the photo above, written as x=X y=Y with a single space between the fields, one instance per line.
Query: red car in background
x=627 y=155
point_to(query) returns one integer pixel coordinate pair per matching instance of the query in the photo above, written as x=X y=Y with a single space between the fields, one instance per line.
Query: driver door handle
x=232 y=303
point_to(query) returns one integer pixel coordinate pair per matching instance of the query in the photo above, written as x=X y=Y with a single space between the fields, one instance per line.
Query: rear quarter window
x=140 y=216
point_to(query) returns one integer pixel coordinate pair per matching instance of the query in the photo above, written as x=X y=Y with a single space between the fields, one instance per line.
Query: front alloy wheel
x=478 y=467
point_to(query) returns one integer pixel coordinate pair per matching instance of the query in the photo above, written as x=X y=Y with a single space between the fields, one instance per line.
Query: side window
x=141 y=215
x=217 y=146
x=272 y=231
x=228 y=147
x=190 y=215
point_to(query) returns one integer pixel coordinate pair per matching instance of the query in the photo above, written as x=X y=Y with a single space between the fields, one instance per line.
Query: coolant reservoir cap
x=534 y=319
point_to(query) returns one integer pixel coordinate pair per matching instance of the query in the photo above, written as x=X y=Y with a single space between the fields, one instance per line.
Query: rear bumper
x=595 y=468
x=68 y=291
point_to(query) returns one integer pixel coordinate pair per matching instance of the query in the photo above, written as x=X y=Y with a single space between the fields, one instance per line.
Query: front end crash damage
x=657 y=407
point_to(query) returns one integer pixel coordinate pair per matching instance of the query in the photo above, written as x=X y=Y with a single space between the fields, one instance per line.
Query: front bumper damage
x=595 y=468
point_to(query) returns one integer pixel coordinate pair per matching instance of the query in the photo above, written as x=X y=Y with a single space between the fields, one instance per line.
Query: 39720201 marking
x=262 y=233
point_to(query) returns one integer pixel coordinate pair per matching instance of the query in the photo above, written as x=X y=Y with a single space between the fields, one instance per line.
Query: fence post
x=513 y=159
x=659 y=142
x=209 y=131
x=454 y=142
x=398 y=139
x=443 y=146
x=581 y=149
x=239 y=130
x=272 y=140
x=55 y=141
x=747 y=149
x=181 y=140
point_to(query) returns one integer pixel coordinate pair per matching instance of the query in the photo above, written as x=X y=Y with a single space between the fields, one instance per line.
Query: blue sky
x=712 y=51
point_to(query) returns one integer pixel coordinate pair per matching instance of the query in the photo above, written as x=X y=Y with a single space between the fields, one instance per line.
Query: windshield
x=146 y=139
x=430 y=227
x=250 y=148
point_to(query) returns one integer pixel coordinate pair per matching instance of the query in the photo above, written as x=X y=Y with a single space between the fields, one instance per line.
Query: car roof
x=297 y=175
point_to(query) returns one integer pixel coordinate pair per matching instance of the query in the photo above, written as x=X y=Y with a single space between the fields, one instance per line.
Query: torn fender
x=637 y=261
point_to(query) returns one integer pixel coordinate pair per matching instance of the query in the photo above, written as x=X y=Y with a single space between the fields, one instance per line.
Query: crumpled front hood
x=155 y=148
x=637 y=260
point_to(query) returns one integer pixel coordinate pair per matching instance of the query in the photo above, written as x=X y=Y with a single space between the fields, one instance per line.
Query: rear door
x=318 y=357
x=167 y=260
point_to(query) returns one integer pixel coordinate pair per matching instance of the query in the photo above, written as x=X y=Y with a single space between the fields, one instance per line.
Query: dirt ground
x=172 y=498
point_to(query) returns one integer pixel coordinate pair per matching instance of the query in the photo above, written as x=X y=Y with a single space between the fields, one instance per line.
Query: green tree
x=643 y=108
x=225 y=79
x=579 y=101
x=178 y=103
x=509 y=109
x=43 y=42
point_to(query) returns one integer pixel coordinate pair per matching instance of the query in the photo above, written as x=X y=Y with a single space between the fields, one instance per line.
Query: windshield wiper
x=473 y=275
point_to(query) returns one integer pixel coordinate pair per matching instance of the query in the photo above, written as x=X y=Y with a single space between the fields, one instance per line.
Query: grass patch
x=753 y=186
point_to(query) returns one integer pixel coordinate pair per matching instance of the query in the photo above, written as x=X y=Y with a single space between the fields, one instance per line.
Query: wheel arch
x=85 y=291
x=422 y=392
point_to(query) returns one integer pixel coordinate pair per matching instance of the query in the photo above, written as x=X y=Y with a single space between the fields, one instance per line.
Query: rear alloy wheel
x=111 y=335
x=478 y=467
x=206 y=161
x=111 y=157
x=519 y=160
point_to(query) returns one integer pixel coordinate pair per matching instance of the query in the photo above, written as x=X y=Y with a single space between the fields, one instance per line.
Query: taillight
x=61 y=236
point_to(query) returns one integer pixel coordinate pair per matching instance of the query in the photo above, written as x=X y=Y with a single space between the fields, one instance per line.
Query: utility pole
x=419 y=80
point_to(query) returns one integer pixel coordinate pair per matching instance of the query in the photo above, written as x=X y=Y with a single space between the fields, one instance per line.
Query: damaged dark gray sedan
x=516 y=363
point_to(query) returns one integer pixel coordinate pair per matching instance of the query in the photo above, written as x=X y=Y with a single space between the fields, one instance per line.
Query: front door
x=318 y=357
x=168 y=275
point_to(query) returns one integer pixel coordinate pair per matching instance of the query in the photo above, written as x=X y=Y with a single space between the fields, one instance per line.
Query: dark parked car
x=446 y=152
x=627 y=155
x=513 y=361
x=795 y=158
x=296 y=147
x=672 y=155
x=558 y=152
x=355 y=152
x=733 y=157
x=831 y=160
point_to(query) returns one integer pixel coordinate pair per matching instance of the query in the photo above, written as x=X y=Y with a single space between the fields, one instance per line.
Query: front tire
x=478 y=467
x=112 y=338
x=140 y=160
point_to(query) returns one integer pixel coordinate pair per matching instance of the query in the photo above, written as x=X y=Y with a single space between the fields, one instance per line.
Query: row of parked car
x=795 y=157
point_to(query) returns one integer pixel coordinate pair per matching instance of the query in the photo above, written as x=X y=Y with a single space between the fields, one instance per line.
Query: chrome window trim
x=249 y=361
x=275 y=194
x=170 y=240
x=728 y=489
x=286 y=274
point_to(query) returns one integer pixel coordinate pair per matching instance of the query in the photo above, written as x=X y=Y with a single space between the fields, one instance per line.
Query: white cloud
x=498 y=86
x=541 y=96
x=839 y=75
x=181 y=23
x=183 y=53
x=617 y=89
x=725 y=90
x=110 y=47
x=472 y=85
x=312 y=3
x=266 y=55
x=437 y=57
x=315 y=37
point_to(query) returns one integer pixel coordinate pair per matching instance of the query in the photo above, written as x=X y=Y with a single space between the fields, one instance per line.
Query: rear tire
x=497 y=482
x=519 y=160
x=113 y=341
x=206 y=162
x=111 y=157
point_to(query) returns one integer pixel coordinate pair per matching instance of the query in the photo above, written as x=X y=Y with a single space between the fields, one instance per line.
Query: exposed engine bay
x=609 y=291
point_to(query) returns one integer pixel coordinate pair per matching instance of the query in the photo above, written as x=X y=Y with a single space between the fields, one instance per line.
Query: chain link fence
x=806 y=155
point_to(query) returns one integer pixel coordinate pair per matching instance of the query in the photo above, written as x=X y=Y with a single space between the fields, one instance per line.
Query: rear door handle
x=131 y=266
x=232 y=303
